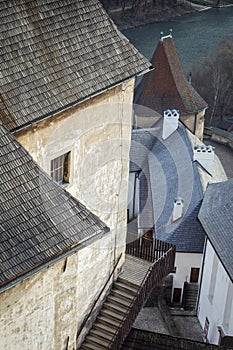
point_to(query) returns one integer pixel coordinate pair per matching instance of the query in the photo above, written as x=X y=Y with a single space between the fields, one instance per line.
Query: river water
x=195 y=35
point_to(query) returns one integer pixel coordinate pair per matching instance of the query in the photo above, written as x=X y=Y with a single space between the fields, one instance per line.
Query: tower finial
x=170 y=32
x=161 y=36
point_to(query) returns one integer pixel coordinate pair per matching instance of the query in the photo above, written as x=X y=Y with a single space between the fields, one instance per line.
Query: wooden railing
x=147 y=248
x=158 y=270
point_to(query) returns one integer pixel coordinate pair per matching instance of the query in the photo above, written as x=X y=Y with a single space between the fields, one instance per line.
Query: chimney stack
x=178 y=209
x=204 y=155
x=170 y=122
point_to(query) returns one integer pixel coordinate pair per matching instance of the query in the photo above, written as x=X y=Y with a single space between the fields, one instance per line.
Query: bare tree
x=214 y=82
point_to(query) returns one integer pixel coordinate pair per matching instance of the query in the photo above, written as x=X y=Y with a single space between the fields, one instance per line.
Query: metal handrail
x=142 y=290
x=97 y=299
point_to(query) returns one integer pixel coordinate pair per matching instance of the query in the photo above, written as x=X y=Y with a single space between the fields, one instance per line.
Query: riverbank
x=131 y=18
x=128 y=19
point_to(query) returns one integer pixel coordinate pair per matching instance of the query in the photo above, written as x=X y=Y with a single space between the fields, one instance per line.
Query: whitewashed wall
x=183 y=263
x=216 y=298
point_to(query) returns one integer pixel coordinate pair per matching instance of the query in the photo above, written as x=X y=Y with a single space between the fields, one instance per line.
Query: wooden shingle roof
x=39 y=220
x=55 y=54
x=166 y=87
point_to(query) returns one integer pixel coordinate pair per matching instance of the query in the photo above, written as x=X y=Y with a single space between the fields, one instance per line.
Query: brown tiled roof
x=166 y=86
x=55 y=54
x=39 y=220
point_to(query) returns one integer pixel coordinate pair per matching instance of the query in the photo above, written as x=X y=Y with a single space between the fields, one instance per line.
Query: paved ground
x=179 y=323
x=225 y=154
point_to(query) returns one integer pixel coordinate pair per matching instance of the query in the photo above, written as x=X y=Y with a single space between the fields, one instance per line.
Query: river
x=195 y=35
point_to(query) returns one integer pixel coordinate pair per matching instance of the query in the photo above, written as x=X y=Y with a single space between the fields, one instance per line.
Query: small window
x=60 y=169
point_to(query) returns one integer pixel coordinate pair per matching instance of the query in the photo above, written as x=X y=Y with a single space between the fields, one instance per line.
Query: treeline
x=214 y=82
x=135 y=5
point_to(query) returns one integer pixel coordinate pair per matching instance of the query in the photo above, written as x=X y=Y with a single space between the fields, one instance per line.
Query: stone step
x=90 y=346
x=128 y=283
x=125 y=288
x=115 y=308
x=112 y=315
x=118 y=301
x=104 y=327
x=99 y=343
x=108 y=321
x=101 y=335
x=122 y=295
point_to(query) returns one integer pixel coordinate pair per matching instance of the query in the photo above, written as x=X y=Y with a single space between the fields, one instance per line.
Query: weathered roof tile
x=57 y=54
x=38 y=218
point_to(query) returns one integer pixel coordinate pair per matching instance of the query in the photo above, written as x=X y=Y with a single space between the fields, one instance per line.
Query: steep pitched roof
x=216 y=216
x=171 y=174
x=166 y=86
x=55 y=54
x=39 y=220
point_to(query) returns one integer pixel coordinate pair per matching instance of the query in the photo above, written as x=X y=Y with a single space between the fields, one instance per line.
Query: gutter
x=73 y=104
x=53 y=261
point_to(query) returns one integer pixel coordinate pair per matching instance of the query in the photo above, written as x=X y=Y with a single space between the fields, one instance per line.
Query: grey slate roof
x=216 y=216
x=172 y=174
x=55 y=54
x=39 y=220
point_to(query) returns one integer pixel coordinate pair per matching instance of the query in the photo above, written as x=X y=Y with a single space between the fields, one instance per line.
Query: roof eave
x=54 y=260
x=77 y=102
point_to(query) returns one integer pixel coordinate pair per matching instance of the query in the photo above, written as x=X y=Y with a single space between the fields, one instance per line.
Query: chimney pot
x=170 y=122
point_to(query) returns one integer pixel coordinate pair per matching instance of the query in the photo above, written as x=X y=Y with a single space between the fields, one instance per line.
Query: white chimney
x=170 y=122
x=205 y=156
x=178 y=209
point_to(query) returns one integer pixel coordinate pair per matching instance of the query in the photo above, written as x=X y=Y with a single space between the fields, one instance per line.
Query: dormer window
x=60 y=169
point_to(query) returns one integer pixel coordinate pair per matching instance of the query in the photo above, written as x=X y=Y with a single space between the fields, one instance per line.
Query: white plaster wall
x=213 y=307
x=183 y=263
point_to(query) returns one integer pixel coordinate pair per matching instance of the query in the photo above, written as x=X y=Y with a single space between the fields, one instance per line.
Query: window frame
x=60 y=169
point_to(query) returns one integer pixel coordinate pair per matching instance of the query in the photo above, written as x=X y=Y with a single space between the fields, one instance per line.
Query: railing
x=147 y=248
x=97 y=299
x=159 y=269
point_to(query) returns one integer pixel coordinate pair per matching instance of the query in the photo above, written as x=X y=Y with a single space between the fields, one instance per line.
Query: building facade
x=66 y=96
x=215 y=307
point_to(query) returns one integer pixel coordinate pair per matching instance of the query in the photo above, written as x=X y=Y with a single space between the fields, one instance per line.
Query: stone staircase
x=117 y=304
x=147 y=262
x=190 y=296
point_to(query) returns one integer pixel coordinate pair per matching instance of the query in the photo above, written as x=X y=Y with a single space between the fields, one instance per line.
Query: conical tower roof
x=166 y=86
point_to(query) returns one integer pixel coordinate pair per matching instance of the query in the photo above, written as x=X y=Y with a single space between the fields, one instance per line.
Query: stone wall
x=46 y=310
x=98 y=134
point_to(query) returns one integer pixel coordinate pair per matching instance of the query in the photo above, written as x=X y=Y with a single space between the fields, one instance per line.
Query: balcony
x=147 y=262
